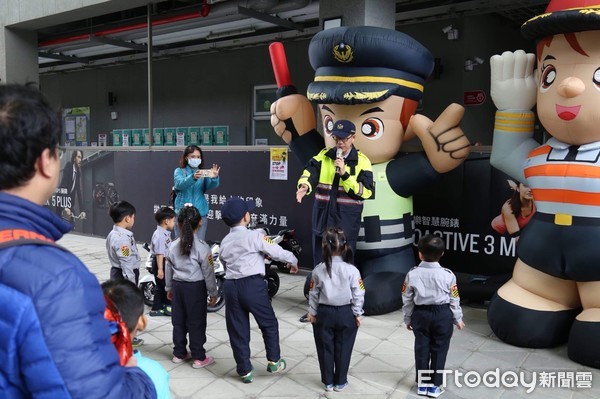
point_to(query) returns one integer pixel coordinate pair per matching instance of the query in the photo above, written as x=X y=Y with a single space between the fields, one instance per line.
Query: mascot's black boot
x=529 y=328
x=383 y=292
x=583 y=343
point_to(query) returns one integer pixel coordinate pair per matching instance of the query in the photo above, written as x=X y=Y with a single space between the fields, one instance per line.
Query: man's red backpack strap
x=13 y=237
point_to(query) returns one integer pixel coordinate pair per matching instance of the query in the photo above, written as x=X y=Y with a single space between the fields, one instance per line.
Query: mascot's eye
x=328 y=124
x=596 y=78
x=372 y=128
x=548 y=77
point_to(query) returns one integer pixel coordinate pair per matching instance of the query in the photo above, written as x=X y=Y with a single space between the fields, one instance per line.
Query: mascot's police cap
x=564 y=16
x=365 y=64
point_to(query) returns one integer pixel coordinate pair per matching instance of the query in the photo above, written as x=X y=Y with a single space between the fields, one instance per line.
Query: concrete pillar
x=20 y=56
x=380 y=13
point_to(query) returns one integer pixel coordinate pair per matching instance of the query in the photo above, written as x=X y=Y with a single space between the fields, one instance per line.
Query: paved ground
x=382 y=363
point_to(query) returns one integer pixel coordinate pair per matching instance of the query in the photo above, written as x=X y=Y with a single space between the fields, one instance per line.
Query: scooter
x=147 y=283
x=287 y=240
x=215 y=249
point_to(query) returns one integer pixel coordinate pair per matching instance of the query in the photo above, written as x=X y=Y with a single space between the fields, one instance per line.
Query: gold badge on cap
x=343 y=52
x=317 y=96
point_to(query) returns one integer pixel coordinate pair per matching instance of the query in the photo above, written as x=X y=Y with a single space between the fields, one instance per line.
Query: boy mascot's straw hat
x=366 y=64
x=564 y=16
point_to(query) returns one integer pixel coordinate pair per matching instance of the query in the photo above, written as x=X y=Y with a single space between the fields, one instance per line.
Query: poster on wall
x=76 y=126
x=86 y=188
x=279 y=164
x=68 y=200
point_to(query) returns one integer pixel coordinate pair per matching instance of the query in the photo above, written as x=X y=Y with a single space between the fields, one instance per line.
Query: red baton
x=281 y=70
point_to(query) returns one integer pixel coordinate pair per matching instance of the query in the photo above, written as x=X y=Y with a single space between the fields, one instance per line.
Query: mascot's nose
x=571 y=87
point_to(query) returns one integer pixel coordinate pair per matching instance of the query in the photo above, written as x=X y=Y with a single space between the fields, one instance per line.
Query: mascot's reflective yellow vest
x=387 y=232
x=393 y=223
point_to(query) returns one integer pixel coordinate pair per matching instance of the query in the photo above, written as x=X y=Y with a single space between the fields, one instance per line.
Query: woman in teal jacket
x=191 y=182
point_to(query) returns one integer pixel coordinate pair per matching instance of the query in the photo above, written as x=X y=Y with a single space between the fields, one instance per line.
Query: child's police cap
x=343 y=129
x=366 y=64
x=235 y=208
x=563 y=16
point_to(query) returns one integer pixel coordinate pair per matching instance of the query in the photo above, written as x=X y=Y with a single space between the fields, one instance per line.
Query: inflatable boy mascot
x=554 y=293
x=374 y=78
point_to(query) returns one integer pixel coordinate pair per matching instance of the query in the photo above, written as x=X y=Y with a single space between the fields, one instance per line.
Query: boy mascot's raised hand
x=374 y=78
x=554 y=293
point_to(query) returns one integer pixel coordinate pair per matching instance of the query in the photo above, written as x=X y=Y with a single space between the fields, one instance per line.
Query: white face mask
x=194 y=162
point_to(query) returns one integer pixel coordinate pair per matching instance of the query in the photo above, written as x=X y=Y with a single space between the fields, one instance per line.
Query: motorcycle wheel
x=282 y=268
x=272 y=282
x=220 y=297
x=307 y=285
x=148 y=289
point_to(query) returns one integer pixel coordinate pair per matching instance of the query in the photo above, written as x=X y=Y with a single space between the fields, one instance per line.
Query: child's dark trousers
x=189 y=317
x=242 y=297
x=432 y=326
x=335 y=333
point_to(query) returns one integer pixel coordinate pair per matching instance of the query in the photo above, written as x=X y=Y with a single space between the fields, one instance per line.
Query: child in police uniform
x=125 y=303
x=121 y=246
x=242 y=254
x=334 y=308
x=161 y=239
x=189 y=279
x=431 y=305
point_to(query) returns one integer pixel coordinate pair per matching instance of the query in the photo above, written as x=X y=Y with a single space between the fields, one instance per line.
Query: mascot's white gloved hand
x=513 y=81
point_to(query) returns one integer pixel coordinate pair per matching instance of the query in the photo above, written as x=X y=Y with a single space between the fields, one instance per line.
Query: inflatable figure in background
x=557 y=272
x=374 y=78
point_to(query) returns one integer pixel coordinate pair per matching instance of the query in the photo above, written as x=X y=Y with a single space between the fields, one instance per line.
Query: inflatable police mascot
x=374 y=78
x=554 y=293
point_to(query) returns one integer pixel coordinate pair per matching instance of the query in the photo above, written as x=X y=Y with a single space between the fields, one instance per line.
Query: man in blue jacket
x=67 y=298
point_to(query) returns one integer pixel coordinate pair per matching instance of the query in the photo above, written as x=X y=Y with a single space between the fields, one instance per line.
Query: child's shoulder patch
x=454 y=291
x=125 y=250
